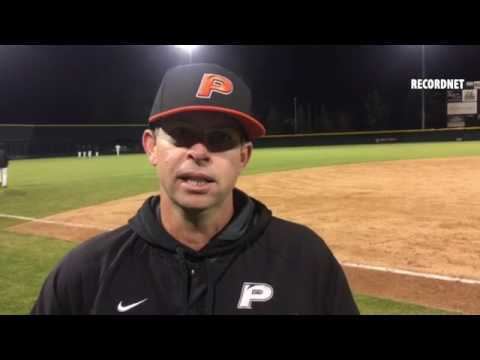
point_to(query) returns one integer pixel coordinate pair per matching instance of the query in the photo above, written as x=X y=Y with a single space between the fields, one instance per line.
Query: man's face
x=198 y=157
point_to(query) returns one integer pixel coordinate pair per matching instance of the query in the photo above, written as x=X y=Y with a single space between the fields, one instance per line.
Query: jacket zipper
x=181 y=257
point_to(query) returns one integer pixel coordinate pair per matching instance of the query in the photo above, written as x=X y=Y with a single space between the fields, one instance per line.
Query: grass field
x=39 y=188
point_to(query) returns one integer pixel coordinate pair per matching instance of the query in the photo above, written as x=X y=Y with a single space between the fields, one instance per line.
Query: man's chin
x=195 y=204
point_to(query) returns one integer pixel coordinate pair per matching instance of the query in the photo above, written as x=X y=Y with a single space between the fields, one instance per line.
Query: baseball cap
x=206 y=88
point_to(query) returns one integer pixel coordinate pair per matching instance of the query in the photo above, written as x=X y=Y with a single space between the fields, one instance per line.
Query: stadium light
x=188 y=49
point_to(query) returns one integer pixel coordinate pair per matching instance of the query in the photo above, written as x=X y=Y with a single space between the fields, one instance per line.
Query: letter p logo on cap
x=211 y=83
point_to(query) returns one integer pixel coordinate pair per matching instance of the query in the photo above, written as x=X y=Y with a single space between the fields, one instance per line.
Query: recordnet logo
x=437 y=84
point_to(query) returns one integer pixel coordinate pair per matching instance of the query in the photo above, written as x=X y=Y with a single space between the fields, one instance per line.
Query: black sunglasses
x=216 y=140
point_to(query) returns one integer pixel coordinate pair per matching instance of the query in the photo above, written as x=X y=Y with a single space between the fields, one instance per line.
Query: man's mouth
x=196 y=182
x=196 y=179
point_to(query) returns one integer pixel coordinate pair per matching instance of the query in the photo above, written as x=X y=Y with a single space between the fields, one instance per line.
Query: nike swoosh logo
x=122 y=308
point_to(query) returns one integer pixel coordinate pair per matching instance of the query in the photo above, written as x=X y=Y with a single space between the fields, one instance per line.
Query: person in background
x=3 y=167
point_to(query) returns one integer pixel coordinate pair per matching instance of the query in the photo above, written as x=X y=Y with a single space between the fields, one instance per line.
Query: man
x=202 y=246
x=117 y=149
x=3 y=167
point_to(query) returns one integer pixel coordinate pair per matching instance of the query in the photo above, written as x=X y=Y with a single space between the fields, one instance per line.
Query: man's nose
x=198 y=152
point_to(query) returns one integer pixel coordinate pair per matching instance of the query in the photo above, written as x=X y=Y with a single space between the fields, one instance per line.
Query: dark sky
x=117 y=84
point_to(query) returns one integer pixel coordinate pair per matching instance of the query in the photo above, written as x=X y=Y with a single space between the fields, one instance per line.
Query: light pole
x=423 y=91
x=189 y=50
x=295 y=115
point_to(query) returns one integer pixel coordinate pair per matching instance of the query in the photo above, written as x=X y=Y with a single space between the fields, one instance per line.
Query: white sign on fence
x=463 y=108
x=469 y=95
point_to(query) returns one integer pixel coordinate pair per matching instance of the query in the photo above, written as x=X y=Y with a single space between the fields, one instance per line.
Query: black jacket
x=3 y=159
x=258 y=264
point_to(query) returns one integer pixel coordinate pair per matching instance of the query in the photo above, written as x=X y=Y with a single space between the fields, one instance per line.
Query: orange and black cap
x=206 y=88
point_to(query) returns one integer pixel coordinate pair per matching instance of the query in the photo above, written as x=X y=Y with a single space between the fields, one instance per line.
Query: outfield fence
x=51 y=140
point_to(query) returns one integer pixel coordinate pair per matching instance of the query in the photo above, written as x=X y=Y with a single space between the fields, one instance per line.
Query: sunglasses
x=216 y=140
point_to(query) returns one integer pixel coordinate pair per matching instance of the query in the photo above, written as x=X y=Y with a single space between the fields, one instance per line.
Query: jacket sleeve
x=341 y=301
x=70 y=288
x=333 y=294
x=50 y=300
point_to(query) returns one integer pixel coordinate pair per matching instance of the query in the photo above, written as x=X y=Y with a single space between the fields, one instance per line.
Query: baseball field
x=403 y=219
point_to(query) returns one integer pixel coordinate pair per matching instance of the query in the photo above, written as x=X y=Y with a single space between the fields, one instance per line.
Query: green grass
x=48 y=186
x=25 y=261
x=43 y=187
x=374 y=306
x=268 y=160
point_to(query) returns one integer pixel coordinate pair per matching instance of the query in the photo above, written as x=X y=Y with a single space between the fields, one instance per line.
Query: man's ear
x=245 y=154
x=149 y=145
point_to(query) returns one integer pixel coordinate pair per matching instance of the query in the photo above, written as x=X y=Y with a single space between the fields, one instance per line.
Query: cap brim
x=252 y=126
